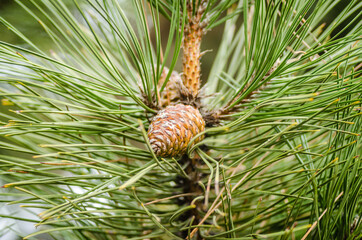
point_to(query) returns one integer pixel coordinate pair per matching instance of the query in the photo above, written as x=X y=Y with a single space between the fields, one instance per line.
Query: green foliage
x=287 y=164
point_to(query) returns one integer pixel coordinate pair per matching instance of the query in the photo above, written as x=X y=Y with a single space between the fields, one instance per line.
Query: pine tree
x=116 y=132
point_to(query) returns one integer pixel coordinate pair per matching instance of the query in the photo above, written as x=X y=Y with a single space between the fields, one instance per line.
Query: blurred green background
x=13 y=13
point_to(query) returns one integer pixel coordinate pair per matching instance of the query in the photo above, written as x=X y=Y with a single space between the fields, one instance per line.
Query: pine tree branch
x=67 y=151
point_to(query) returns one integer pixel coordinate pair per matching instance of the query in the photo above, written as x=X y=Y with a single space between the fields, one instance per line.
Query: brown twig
x=217 y=202
x=171 y=197
x=213 y=117
x=320 y=217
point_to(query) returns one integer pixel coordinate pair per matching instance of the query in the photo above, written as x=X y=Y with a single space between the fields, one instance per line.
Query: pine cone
x=172 y=129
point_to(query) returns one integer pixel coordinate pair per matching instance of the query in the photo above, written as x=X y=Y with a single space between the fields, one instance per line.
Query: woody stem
x=193 y=32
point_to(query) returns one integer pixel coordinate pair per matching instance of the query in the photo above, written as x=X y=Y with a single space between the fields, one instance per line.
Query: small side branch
x=215 y=116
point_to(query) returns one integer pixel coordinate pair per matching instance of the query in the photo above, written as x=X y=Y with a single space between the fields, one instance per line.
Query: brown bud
x=170 y=93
